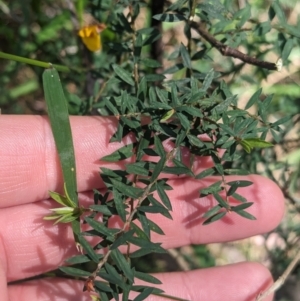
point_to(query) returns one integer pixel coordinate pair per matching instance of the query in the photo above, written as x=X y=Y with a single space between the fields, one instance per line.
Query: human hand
x=30 y=245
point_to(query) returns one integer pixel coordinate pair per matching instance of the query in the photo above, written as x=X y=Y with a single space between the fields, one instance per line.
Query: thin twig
x=232 y=52
x=183 y=264
x=280 y=281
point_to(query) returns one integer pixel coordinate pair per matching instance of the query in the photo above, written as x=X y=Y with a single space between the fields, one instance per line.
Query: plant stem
x=25 y=60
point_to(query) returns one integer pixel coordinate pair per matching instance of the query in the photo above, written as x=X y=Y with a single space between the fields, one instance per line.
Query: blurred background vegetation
x=48 y=31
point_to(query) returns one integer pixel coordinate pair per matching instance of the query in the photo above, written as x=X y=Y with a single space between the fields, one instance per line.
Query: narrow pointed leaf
x=123 y=74
x=245 y=214
x=122 y=263
x=163 y=196
x=61 y=129
x=147 y=277
x=142 y=296
x=120 y=154
x=75 y=272
x=88 y=249
x=120 y=206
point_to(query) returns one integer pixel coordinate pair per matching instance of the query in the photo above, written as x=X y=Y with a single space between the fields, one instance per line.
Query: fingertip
x=237 y=282
x=269 y=202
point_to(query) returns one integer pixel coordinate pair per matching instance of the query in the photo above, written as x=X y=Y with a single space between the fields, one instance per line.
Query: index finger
x=29 y=162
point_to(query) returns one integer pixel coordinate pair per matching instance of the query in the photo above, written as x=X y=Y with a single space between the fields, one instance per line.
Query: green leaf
x=243 y=15
x=150 y=63
x=208 y=79
x=223 y=106
x=245 y=214
x=279 y=12
x=241 y=207
x=233 y=188
x=195 y=141
x=154 y=77
x=144 y=222
x=138 y=168
x=205 y=173
x=238 y=197
x=221 y=201
x=138 y=231
x=147 y=277
x=185 y=123
x=195 y=112
x=227 y=129
x=288 y=46
x=75 y=272
x=122 y=264
x=214 y=218
x=155 y=228
x=163 y=196
x=233 y=171
x=119 y=203
x=112 y=275
x=61 y=129
x=158 y=168
x=167 y=115
x=123 y=74
x=147 y=249
x=253 y=99
x=106 y=210
x=214 y=188
x=88 y=248
x=120 y=154
x=249 y=143
x=240 y=183
x=211 y=212
x=177 y=5
x=155 y=209
x=246 y=146
x=122 y=239
x=182 y=168
x=281 y=121
x=159 y=147
x=144 y=243
x=128 y=190
x=60 y=199
x=102 y=287
x=60 y=125
x=81 y=259
x=100 y=227
x=138 y=288
x=185 y=57
x=142 y=296
x=169 y=17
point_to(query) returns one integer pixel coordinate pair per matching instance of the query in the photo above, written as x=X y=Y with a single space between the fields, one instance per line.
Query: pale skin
x=30 y=246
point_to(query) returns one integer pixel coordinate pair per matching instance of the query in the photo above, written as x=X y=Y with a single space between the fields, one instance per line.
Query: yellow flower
x=90 y=36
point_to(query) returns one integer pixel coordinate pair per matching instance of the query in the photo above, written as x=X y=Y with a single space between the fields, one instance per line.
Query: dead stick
x=232 y=52
x=280 y=281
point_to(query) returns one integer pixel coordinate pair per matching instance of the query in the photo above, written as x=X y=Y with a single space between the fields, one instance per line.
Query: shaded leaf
x=122 y=239
x=214 y=218
x=253 y=99
x=245 y=214
x=123 y=74
x=120 y=154
x=88 y=249
x=75 y=272
x=163 y=196
x=144 y=294
x=169 y=17
x=122 y=264
x=119 y=203
x=185 y=57
x=147 y=277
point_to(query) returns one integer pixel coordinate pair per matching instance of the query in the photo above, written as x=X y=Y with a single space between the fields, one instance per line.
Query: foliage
x=189 y=97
